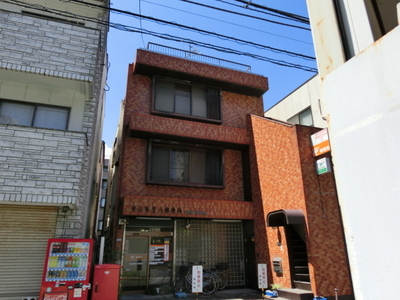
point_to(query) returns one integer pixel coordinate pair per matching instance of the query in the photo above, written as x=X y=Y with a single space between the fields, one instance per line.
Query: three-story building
x=200 y=176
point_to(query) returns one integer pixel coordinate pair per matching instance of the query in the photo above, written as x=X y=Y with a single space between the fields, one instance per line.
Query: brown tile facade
x=281 y=172
x=288 y=180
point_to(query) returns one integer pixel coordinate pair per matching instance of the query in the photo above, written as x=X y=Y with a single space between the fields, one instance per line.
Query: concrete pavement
x=227 y=294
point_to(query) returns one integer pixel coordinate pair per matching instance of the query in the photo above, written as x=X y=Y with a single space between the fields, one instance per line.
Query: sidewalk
x=228 y=294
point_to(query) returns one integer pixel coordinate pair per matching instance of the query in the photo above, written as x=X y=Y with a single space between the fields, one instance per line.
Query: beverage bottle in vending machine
x=75 y=262
x=70 y=261
x=53 y=262
x=83 y=262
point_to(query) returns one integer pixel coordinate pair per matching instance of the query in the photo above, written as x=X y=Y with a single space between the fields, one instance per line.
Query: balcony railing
x=193 y=55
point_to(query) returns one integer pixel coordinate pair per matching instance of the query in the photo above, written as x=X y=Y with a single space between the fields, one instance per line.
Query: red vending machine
x=66 y=274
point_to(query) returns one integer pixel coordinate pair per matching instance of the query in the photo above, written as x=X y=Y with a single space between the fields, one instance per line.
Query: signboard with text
x=197 y=279
x=320 y=142
x=262 y=276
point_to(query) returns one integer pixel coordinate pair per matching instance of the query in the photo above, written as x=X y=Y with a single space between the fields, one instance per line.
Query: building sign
x=165 y=210
x=197 y=279
x=157 y=209
x=262 y=276
x=323 y=165
x=320 y=142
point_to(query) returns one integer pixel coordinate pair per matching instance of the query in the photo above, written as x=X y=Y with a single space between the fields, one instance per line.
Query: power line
x=303 y=20
x=294 y=17
x=230 y=23
x=245 y=15
x=206 y=32
x=162 y=36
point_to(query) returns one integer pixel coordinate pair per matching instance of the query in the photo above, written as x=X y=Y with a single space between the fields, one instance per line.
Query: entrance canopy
x=285 y=217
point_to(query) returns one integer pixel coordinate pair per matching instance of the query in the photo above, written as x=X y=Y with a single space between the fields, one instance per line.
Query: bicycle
x=210 y=284
x=179 y=282
x=221 y=277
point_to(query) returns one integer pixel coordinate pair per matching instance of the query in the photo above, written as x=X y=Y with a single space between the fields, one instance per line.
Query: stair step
x=295 y=294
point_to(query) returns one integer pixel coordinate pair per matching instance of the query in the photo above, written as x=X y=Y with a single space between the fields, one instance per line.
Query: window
x=303 y=118
x=184 y=164
x=104 y=184
x=33 y=115
x=102 y=202
x=100 y=225
x=186 y=100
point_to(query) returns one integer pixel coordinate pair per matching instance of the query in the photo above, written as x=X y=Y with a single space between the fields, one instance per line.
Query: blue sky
x=283 y=80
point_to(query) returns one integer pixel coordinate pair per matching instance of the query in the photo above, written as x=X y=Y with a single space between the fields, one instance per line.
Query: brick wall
x=288 y=180
x=133 y=181
x=199 y=69
x=42 y=167
x=235 y=107
x=47 y=47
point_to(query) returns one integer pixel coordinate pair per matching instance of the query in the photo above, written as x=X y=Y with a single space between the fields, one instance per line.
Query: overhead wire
x=292 y=16
x=205 y=32
x=245 y=15
x=162 y=36
x=230 y=23
x=140 y=12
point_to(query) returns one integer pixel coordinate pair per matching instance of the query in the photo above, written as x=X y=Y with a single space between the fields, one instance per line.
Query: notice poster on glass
x=157 y=254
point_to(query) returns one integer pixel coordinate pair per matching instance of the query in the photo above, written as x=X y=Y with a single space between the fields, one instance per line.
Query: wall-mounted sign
x=320 y=142
x=157 y=209
x=323 y=165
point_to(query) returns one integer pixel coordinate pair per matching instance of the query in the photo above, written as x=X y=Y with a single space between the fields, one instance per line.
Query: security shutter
x=24 y=231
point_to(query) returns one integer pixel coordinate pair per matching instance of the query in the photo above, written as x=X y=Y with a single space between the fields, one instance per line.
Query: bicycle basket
x=222 y=266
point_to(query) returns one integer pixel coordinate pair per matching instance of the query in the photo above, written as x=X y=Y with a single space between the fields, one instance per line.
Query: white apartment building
x=356 y=95
x=52 y=76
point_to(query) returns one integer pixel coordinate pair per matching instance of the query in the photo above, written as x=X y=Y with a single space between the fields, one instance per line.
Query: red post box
x=105 y=282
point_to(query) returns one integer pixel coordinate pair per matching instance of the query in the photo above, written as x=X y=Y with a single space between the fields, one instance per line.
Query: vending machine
x=66 y=274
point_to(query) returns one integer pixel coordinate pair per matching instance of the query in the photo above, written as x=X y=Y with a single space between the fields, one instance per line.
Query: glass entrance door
x=147 y=261
x=135 y=265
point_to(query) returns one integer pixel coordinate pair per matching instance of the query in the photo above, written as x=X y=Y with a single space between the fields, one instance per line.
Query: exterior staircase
x=294 y=294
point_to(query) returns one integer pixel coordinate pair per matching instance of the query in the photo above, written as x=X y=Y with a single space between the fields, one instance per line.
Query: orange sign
x=320 y=142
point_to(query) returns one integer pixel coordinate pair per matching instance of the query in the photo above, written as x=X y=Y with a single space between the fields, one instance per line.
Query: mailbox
x=106 y=282
x=277 y=264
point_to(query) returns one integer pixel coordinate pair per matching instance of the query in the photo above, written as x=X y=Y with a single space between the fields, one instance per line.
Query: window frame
x=35 y=108
x=184 y=146
x=296 y=119
x=181 y=115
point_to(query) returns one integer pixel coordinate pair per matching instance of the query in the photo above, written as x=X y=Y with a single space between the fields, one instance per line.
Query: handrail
x=195 y=55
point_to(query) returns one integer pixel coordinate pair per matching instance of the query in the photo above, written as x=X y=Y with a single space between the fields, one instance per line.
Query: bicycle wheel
x=222 y=280
x=179 y=284
x=209 y=285
x=188 y=282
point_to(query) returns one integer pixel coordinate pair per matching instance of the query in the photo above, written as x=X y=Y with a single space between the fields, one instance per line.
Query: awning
x=285 y=217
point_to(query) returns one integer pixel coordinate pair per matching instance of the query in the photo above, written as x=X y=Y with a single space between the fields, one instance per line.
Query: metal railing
x=194 y=55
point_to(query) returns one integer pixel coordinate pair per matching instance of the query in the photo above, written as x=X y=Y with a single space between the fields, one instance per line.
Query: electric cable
x=264 y=12
x=162 y=36
x=230 y=23
x=206 y=32
x=245 y=15
x=140 y=12
x=292 y=16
